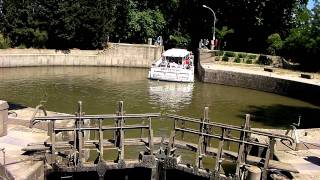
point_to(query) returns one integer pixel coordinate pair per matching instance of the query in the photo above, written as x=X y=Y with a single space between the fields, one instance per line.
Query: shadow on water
x=15 y=106
x=284 y=115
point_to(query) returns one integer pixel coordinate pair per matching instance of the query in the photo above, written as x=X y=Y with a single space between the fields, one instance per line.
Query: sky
x=310 y=4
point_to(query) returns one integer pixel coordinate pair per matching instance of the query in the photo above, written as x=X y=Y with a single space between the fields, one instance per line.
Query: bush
x=249 y=61
x=252 y=56
x=22 y=46
x=217 y=58
x=4 y=42
x=237 y=60
x=229 y=54
x=242 y=55
x=40 y=38
x=275 y=43
x=264 y=60
x=225 y=58
x=218 y=53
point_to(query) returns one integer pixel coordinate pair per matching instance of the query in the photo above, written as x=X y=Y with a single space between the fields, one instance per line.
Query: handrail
x=232 y=127
x=96 y=117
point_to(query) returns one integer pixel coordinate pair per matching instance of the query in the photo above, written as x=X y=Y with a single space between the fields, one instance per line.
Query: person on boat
x=187 y=63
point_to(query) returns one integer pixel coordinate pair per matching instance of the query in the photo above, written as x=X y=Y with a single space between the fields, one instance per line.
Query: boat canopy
x=176 y=53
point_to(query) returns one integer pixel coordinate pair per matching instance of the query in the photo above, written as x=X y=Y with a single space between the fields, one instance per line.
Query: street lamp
x=214 y=24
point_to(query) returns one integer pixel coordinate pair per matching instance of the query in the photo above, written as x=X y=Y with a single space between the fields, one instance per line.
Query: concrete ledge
x=297 y=88
x=116 y=54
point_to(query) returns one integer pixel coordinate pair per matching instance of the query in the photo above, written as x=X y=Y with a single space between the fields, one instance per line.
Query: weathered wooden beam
x=100 y=140
x=240 y=161
x=183 y=127
x=95 y=117
x=231 y=127
x=121 y=155
x=242 y=153
x=266 y=165
x=171 y=143
x=141 y=130
x=205 y=128
x=80 y=137
x=120 y=138
x=53 y=142
x=199 y=154
x=272 y=143
x=228 y=135
x=151 y=142
x=219 y=154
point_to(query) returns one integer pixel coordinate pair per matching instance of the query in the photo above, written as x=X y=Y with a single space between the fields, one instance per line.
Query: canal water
x=100 y=88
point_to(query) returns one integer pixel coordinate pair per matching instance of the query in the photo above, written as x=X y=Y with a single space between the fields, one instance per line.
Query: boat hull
x=171 y=74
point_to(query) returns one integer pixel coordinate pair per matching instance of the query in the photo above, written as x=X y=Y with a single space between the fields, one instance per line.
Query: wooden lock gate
x=76 y=147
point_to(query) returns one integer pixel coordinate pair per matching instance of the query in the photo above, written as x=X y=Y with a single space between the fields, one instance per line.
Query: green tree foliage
x=57 y=24
x=303 y=43
x=275 y=43
x=88 y=24
x=179 y=40
x=20 y=24
x=223 y=32
x=144 y=24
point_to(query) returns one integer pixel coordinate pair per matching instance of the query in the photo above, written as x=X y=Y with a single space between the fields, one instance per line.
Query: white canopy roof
x=176 y=53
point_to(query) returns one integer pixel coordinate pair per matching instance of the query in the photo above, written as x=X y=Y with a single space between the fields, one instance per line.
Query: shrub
x=249 y=61
x=221 y=53
x=252 y=56
x=4 y=42
x=225 y=58
x=264 y=60
x=237 y=60
x=218 y=53
x=22 y=46
x=275 y=43
x=217 y=58
x=229 y=54
x=242 y=55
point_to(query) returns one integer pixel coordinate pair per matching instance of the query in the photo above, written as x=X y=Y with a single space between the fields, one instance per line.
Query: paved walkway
x=306 y=160
x=17 y=164
x=19 y=135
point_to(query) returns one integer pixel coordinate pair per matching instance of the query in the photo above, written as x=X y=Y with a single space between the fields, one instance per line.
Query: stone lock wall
x=116 y=54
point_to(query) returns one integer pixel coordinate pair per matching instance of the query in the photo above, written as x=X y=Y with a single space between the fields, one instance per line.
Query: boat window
x=177 y=60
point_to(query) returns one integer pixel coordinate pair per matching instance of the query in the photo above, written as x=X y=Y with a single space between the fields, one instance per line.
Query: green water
x=101 y=88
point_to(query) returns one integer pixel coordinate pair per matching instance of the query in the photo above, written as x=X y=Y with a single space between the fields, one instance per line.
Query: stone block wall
x=116 y=54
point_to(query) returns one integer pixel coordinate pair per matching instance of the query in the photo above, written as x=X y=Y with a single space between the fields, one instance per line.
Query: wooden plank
x=171 y=142
x=150 y=142
x=266 y=165
x=100 y=140
x=199 y=153
x=219 y=154
x=53 y=142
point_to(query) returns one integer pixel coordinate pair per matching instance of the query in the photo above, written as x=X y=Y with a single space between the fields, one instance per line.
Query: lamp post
x=214 y=24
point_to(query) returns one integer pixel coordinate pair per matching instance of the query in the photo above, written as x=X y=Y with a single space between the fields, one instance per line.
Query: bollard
x=254 y=173
x=3 y=117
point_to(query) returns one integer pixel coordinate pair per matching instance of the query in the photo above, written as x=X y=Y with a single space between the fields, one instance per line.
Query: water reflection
x=170 y=95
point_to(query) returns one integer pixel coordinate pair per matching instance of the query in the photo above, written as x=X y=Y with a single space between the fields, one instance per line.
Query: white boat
x=174 y=65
